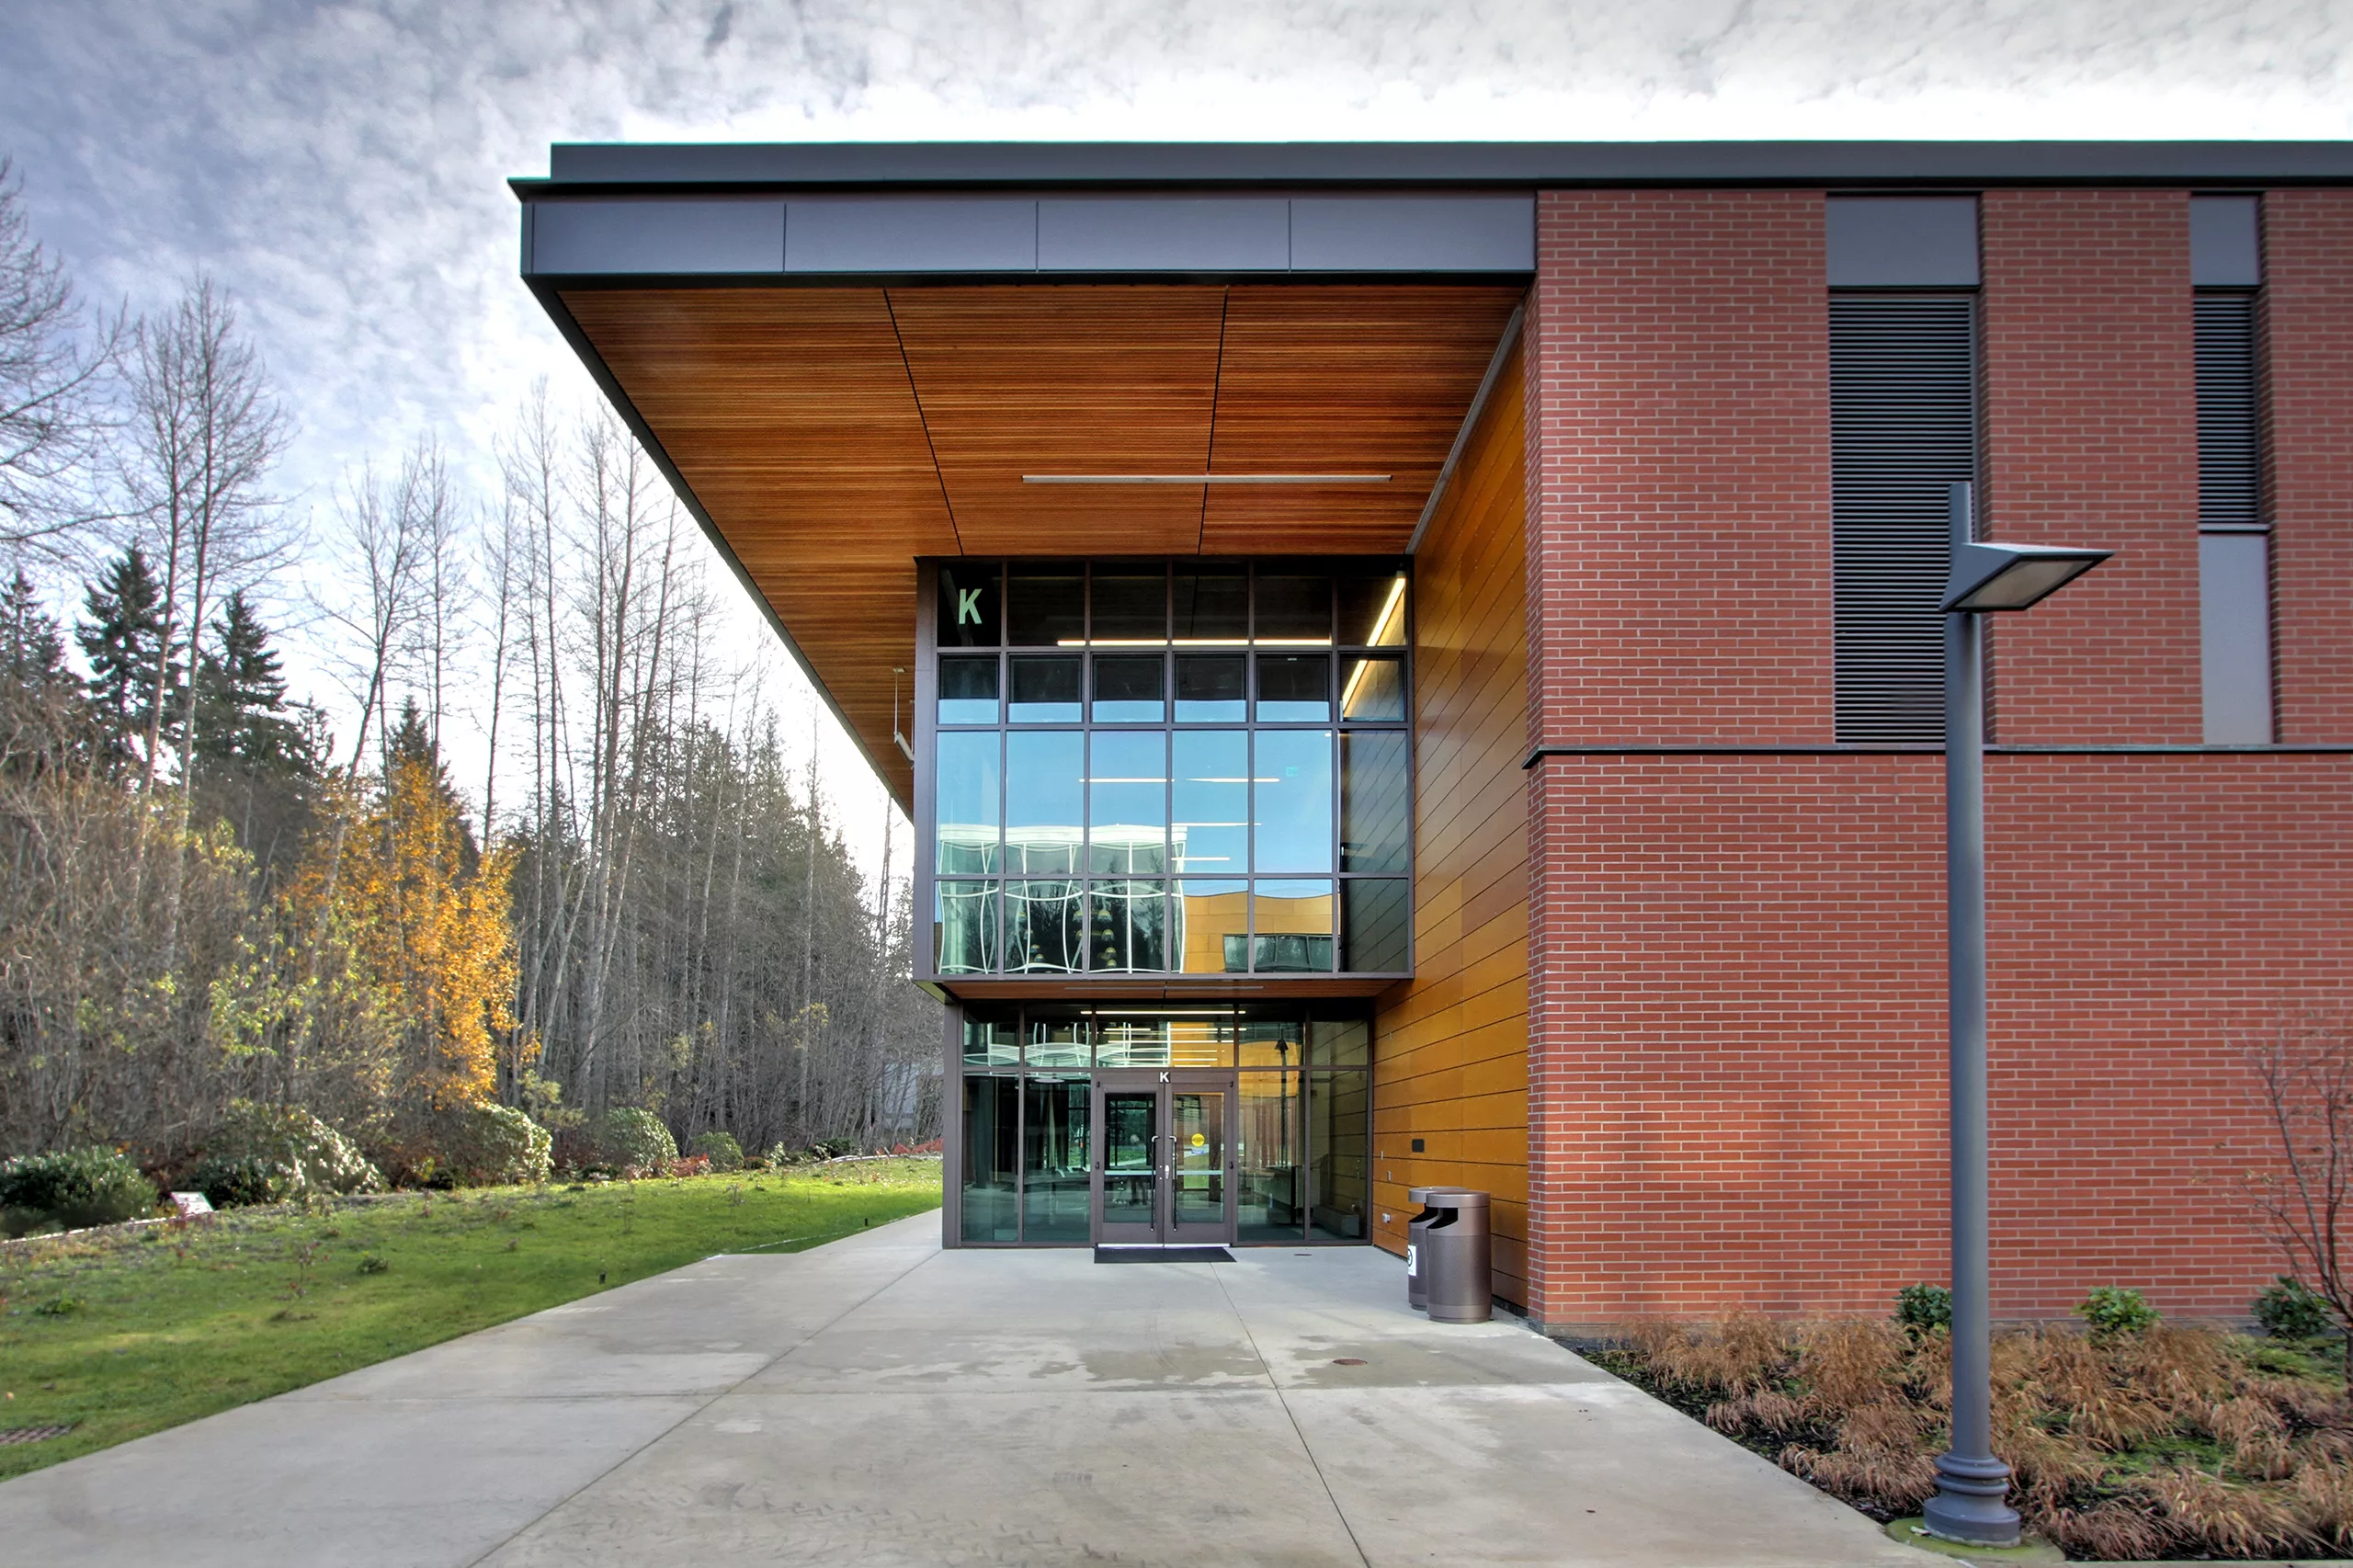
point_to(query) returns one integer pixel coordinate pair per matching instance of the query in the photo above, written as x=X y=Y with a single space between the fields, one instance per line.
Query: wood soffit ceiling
x=833 y=435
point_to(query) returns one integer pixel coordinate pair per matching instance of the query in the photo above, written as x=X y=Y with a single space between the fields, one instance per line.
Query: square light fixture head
x=2014 y=577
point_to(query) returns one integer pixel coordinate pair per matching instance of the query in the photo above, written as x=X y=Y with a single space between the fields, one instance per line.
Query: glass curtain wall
x=1183 y=767
x=1302 y=1122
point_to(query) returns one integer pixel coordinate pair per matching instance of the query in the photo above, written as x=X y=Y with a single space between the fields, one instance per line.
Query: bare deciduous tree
x=2304 y=1074
x=202 y=433
x=52 y=376
x=387 y=532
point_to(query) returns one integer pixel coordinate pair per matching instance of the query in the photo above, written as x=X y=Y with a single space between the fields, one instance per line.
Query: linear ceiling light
x=1205 y=479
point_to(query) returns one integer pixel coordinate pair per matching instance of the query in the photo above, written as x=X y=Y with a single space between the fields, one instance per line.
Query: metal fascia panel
x=658 y=235
x=1413 y=234
x=893 y=234
x=1176 y=234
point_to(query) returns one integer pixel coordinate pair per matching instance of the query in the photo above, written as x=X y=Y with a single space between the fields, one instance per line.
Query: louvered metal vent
x=2227 y=437
x=1903 y=428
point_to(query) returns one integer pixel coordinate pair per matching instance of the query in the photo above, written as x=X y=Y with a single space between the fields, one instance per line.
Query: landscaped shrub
x=2112 y=1309
x=1924 y=1306
x=303 y=1156
x=488 y=1144
x=71 y=1189
x=719 y=1148
x=236 y=1183
x=629 y=1137
x=2288 y=1309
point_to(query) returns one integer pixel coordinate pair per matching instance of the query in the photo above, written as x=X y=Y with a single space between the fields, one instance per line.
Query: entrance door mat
x=1161 y=1254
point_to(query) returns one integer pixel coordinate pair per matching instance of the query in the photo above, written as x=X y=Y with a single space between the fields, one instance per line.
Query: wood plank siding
x=834 y=435
x=1450 y=1046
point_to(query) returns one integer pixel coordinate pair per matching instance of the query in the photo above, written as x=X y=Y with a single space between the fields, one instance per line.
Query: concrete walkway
x=881 y=1401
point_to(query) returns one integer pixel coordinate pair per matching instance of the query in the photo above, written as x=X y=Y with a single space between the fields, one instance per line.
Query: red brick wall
x=1683 y=478
x=2308 y=265
x=2091 y=437
x=1742 y=1076
x=1737 y=1093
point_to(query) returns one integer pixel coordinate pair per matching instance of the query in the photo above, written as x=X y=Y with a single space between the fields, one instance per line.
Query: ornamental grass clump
x=2134 y=1440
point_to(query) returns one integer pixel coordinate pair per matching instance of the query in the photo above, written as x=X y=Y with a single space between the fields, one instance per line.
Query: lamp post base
x=1968 y=1505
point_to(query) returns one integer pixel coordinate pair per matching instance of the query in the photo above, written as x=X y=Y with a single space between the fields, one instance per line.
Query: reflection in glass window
x=1379 y=924
x=1272 y=1039
x=1373 y=804
x=1129 y=690
x=1043 y=931
x=1054 y=1158
x=1294 y=688
x=1373 y=691
x=1271 y=1199
x=1290 y=799
x=1045 y=691
x=1045 y=607
x=1372 y=610
x=1212 y=688
x=1130 y=608
x=965 y=801
x=1293 y=609
x=1056 y=1039
x=1212 y=811
x=1291 y=926
x=1213 y=605
x=1127 y=799
x=990 y=1042
x=1045 y=806
x=1132 y=1040
x=1203 y=1038
x=1127 y=922
x=968 y=604
x=1211 y=912
x=964 y=926
x=968 y=691
x=990 y=1113
x=1340 y=1042
x=1339 y=1192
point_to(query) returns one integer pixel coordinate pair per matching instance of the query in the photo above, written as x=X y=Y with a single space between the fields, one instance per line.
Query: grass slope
x=124 y=1334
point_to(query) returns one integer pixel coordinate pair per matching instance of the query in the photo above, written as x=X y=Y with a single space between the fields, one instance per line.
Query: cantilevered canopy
x=831 y=436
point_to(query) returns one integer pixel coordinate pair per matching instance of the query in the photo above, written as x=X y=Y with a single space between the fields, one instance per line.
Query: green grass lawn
x=126 y=1335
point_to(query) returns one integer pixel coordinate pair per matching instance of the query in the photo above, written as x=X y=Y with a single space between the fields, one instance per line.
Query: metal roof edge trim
x=673 y=165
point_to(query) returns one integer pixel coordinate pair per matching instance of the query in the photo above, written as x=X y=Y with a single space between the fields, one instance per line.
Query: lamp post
x=1971 y=1484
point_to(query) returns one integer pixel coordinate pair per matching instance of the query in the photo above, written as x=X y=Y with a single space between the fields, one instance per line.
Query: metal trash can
x=1417 y=1293
x=1456 y=1260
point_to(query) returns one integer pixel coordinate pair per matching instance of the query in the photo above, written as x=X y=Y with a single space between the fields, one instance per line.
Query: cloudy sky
x=340 y=167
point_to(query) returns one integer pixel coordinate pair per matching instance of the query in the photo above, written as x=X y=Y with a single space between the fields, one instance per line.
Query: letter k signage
x=968 y=607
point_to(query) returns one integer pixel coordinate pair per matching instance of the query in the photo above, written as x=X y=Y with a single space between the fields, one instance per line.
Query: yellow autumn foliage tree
x=426 y=917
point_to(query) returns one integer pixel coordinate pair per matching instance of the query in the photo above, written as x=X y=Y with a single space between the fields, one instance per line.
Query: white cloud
x=341 y=166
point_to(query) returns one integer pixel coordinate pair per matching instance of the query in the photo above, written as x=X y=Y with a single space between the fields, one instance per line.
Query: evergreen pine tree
x=40 y=698
x=32 y=649
x=411 y=747
x=241 y=714
x=126 y=623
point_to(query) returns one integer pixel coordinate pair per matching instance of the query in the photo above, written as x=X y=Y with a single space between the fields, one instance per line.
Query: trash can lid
x=1426 y=1194
x=1456 y=1197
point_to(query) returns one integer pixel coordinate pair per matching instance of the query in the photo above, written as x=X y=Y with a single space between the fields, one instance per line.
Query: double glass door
x=1163 y=1164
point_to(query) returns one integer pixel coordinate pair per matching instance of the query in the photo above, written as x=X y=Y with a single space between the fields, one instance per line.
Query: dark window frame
x=928 y=729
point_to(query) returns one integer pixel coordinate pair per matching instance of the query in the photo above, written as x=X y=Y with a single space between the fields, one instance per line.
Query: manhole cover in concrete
x=1347 y=1360
x=33 y=1434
